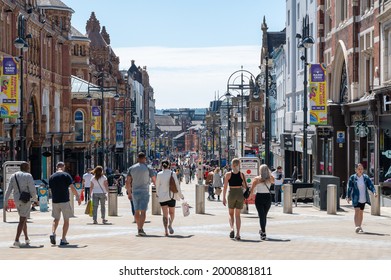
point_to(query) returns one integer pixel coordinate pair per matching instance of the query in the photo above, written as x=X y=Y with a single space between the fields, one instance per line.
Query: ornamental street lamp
x=21 y=44
x=305 y=42
x=102 y=89
x=233 y=84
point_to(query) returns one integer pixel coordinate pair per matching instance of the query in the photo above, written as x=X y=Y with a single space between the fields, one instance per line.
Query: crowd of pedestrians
x=230 y=182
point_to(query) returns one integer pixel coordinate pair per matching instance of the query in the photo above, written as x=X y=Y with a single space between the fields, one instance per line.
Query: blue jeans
x=210 y=190
x=277 y=192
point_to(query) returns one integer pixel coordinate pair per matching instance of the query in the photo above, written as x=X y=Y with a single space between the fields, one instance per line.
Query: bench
x=303 y=193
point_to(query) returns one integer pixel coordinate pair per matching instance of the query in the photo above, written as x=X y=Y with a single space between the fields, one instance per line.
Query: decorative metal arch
x=343 y=90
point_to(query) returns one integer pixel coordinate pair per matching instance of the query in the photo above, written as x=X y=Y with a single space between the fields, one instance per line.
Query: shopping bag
x=91 y=208
x=82 y=195
x=88 y=207
x=185 y=209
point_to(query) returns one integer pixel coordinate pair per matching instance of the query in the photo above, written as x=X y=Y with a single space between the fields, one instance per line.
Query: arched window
x=79 y=126
x=343 y=91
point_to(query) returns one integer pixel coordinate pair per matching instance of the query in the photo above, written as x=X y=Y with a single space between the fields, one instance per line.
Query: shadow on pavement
x=248 y=241
x=277 y=240
x=180 y=236
x=75 y=246
x=28 y=247
x=150 y=235
x=375 y=233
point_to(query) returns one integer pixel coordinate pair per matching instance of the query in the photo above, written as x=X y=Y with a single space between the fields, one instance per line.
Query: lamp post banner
x=9 y=84
x=96 y=124
x=119 y=134
x=318 y=95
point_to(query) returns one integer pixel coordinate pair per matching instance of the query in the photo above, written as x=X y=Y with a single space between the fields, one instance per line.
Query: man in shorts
x=25 y=181
x=137 y=186
x=59 y=184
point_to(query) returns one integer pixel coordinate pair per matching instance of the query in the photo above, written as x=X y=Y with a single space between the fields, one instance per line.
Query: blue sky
x=190 y=47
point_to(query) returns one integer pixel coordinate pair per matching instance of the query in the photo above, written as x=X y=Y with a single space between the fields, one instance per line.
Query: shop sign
x=361 y=129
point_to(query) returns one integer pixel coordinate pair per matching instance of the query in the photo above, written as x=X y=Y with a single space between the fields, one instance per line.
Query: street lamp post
x=21 y=44
x=102 y=89
x=305 y=42
x=231 y=85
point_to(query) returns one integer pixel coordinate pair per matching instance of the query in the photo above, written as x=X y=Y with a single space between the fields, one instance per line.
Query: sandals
x=232 y=234
x=238 y=238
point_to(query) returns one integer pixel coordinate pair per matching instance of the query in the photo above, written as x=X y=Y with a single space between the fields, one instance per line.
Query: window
x=45 y=108
x=256 y=135
x=57 y=111
x=289 y=17
x=256 y=113
x=388 y=58
x=298 y=11
x=79 y=126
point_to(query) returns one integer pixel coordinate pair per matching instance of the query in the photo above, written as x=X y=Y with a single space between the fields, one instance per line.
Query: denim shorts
x=140 y=200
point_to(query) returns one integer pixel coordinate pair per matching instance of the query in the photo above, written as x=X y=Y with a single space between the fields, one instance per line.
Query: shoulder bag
x=24 y=196
x=246 y=193
x=173 y=187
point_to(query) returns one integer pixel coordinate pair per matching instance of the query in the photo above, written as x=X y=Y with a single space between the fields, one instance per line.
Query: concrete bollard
x=200 y=199
x=288 y=197
x=375 y=201
x=332 y=199
x=113 y=201
x=156 y=209
x=72 y=202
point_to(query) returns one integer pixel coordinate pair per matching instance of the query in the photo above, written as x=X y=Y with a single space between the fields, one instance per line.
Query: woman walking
x=236 y=181
x=166 y=198
x=217 y=183
x=359 y=183
x=99 y=189
x=260 y=189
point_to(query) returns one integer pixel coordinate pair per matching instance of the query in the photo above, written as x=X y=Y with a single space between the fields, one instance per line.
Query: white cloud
x=189 y=77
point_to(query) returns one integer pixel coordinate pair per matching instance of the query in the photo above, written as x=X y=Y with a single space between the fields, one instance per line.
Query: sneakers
x=17 y=244
x=53 y=239
x=232 y=234
x=141 y=232
x=104 y=221
x=262 y=235
x=359 y=230
x=95 y=222
x=63 y=242
x=27 y=241
x=170 y=229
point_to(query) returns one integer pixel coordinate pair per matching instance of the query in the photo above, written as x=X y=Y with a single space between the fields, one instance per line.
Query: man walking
x=137 y=186
x=21 y=181
x=279 y=177
x=59 y=184
x=86 y=183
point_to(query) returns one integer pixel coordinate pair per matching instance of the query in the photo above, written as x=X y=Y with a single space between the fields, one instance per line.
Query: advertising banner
x=9 y=94
x=134 y=140
x=96 y=123
x=119 y=135
x=317 y=95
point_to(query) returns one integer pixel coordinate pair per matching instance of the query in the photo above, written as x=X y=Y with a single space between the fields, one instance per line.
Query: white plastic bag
x=185 y=209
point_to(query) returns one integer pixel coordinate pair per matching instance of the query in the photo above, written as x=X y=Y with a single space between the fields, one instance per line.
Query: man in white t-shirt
x=279 y=177
x=86 y=184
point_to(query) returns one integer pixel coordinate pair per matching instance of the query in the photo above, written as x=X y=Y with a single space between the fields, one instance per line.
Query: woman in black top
x=236 y=181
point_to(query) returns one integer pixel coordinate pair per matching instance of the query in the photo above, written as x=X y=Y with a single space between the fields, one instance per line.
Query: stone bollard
x=113 y=202
x=156 y=209
x=332 y=199
x=72 y=202
x=288 y=196
x=375 y=201
x=200 y=199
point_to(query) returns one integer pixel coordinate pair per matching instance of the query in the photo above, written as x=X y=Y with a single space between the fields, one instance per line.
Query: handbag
x=88 y=207
x=185 y=209
x=24 y=196
x=173 y=187
x=246 y=193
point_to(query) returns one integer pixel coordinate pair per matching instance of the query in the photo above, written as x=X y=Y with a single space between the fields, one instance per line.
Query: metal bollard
x=200 y=199
x=332 y=199
x=113 y=201
x=156 y=209
x=375 y=201
x=72 y=202
x=288 y=197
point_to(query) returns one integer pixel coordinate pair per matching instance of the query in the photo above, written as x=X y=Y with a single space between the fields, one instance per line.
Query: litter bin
x=113 y=201
x=200 y=199
x=156 y=210
x=320 y=190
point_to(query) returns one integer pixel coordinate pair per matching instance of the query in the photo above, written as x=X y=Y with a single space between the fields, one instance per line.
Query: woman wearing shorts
x=359 y=183
x=166 y=198
x=237 y=183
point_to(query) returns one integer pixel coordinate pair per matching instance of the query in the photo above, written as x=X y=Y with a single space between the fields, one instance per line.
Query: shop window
x=79 y=126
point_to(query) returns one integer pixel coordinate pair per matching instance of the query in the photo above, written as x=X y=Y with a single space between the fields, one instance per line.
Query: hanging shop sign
x=119 y=135
x=317 y=95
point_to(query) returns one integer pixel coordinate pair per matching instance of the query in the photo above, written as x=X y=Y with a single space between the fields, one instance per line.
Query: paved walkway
x=306 y=234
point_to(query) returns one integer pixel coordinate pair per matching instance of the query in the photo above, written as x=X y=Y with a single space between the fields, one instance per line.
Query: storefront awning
x=80 y=88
